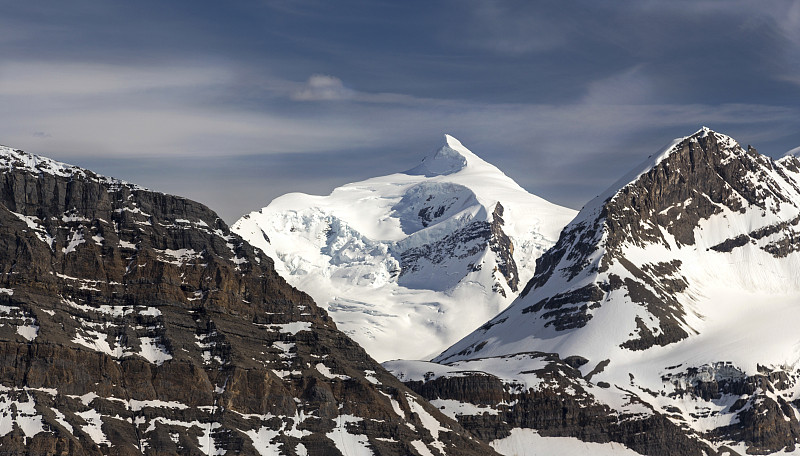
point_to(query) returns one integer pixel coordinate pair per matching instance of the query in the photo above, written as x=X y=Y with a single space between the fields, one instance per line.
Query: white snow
x=98 y=341
x=326 y=372
x=395 y=406
x=66 y=218
x=24 y=321
x=207 y=444
x=34 y=223
x=179 y=256
x=527 y=442
x=345 y=250
x=285 y=348
x=94 y=426
x=87 y=398
x=369 y=375
x=289 y=328
x=150 y=312
x=75 y=240
x=112 y=311
x=347 y=443
x=136 y=405
x=62 y=420
x=262 y=438
x=453 y=408
x=29 y=332
x=203 y=342
x=262 y=441
x=153 y=350
x=20 y=413
x=419 y=445
x=428 y=421
x=739 y=311
x=285 y=373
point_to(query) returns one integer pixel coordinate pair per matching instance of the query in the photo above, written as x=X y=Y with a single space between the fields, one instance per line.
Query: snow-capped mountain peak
x=727 y=144
x=451 y=158
x=677 y=287
x=401 y=254
x=644 y=242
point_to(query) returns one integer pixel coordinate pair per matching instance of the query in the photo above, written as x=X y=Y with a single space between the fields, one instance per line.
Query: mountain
x=134 y=322
x=421 y=257
x=664 y=318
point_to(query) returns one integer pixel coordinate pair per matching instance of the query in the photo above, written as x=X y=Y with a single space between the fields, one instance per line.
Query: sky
x=235 y=103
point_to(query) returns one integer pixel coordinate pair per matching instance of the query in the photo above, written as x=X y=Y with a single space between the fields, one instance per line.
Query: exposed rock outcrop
x=134 y=322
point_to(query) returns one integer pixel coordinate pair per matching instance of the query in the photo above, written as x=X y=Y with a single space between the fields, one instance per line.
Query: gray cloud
x=322 y=87
x=561 y=151
x=236 y=103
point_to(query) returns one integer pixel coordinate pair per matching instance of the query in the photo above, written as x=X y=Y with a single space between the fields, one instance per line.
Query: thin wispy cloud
x=46 y=78
x=501 y=27
x=793 y=152
x=267 y=97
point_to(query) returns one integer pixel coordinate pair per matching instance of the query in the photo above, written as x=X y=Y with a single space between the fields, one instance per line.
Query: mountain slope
x=134 y=322
x=676 y=293
x=421 y=257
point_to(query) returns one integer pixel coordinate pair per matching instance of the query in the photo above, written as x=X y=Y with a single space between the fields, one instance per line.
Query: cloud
x=77 y=109
x=793 y=152
x=322 y=87
x=563 y=96
x=506 y=28
x=193 y=113
x=47 y=79
x=631 y=86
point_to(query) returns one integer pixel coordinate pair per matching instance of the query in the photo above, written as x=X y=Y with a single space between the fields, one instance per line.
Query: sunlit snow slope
x=672 y=257
x=408 y=263
x=678 y=289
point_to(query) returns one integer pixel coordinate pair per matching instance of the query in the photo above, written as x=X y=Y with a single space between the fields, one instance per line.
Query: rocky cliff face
x=465 y=245
x=493 y=397
x=133 y=322
x=676 y=290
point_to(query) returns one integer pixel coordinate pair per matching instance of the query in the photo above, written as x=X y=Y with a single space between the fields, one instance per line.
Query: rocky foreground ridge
x=134 y=322
x=663 y=319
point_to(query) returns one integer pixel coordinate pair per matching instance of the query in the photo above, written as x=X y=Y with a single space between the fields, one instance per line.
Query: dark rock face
x=703 y=175
x=463 y=243
x=653 y=271
x=502 y=246
x=563 y=406
x=763 y=418
x=133 y=322
x=466 y=243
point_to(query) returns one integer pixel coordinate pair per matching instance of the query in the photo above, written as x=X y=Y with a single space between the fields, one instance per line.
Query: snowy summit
x=672 y=298
x=421 y=257
x=451 y=158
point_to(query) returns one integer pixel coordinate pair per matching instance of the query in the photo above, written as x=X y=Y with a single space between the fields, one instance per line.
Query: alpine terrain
x=133 y=322
x=409 y=263
x=663 y=320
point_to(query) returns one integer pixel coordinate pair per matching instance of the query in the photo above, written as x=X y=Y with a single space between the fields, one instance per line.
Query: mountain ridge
x=134 y=322
x=432 y=252
x=610 y=217
x=669 y=299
